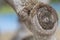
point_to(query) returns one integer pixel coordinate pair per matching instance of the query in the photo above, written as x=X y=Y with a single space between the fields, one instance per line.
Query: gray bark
x=38 y=20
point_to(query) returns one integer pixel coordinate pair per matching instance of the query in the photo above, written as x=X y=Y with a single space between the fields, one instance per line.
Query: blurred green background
x=55 y=1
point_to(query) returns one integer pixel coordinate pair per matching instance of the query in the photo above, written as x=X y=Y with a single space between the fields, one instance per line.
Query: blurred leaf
x=55 y=1
x=6 y=9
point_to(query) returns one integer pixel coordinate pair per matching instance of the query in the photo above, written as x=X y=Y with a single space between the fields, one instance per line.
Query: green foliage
x=6 y=9
x=55 y=1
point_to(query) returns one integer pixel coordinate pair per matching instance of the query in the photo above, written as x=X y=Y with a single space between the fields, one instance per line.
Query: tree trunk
x=38 y=20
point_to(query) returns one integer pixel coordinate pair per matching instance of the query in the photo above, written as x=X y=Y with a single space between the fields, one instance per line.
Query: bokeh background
x=9 y=19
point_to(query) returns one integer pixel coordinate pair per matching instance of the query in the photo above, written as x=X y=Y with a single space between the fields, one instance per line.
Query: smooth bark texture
x=38 y=20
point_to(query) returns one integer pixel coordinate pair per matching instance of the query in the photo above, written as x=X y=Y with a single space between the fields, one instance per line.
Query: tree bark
x=38 y=18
